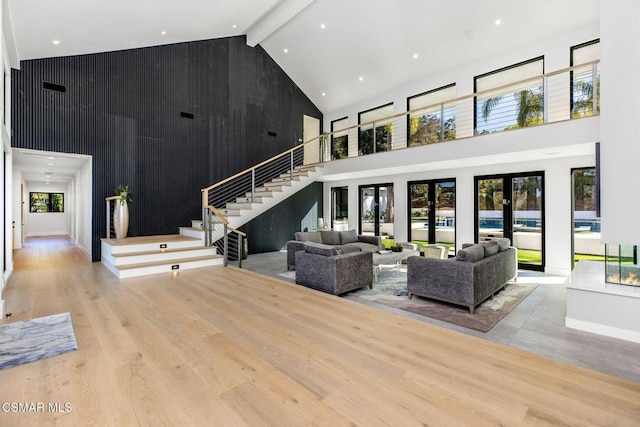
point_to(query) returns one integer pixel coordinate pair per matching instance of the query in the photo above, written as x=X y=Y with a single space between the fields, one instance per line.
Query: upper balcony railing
x=560 y=95
x=566 y=94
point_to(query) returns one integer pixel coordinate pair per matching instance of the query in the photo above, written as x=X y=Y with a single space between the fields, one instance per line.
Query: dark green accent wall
x=125 y=109
x=271 y=230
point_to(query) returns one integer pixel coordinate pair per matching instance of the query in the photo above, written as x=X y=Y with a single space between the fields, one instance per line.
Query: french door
x=376 y=210
x=512 y=206
x=432 y=212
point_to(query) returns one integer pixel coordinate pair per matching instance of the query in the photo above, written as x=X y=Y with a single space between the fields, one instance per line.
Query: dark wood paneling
x=124 y=108
x=271 y=230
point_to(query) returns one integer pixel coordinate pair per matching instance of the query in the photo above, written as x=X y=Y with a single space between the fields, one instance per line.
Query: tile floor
x=535 y=325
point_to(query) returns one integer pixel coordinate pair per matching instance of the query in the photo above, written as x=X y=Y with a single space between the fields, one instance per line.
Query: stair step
x=262 y=193
x=229 y=212
x=286 y=178
x=247 y=199
x=196 y=232
x=295 y=173
x=276 y=186
x=240 y=206
x=150 y=243
x=137 y=258
x=166 y=266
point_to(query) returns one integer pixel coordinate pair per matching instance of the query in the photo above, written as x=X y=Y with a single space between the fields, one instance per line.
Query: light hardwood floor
x=223 y=346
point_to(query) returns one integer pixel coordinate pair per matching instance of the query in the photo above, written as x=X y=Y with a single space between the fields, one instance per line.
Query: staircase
x=209 y=241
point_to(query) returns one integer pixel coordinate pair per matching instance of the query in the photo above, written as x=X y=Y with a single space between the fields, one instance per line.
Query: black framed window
x=582 y=87
x=375 y=135
x=40 y=202
x=339 y=140
x=431 y=118
x=506 y=102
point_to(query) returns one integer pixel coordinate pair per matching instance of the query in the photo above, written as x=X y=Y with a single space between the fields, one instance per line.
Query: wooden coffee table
x=391 y=258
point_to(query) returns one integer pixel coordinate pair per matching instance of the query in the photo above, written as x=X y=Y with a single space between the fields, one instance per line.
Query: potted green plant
x=121 y=212
x=396 y=248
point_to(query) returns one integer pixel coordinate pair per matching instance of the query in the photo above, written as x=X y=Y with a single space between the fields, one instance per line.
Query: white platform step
x=144 y=269
x=239 y=206
x=194 y=232
x=140 y=256
x=161 y=255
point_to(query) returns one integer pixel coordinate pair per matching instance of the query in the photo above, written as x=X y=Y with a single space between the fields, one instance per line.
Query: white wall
x=16 y=208
x=50 y=223
x=83 y=193
x=620 y=148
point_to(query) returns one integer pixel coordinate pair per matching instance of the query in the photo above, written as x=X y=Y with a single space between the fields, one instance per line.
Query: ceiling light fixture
x=324 y=94
x=234 y=26
x=50 y=158
x=286 y=50
x=49 y=164
x=163 y=33
x=361 y=78
x=56 y=42
x=415 y=56
x=323 y=26
x=498 y=22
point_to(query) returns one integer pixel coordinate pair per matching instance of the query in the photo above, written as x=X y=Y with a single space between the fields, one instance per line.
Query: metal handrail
x=402 y=114
x=215 y=196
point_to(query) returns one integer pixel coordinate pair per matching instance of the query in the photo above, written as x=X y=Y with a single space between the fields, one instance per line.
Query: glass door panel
x=587 y=243
x=490 y=209
x=445 y=213
x=340 y=208
x=376 y=210
x=527 y=218
x=512 y=206
x=385 y=213
x=368 y=210
x=432 y=207
x=419 y=212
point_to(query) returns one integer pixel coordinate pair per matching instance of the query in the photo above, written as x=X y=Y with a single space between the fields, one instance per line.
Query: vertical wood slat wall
x=124 y=108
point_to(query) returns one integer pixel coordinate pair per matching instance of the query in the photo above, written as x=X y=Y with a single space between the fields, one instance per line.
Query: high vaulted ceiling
x=330 y=44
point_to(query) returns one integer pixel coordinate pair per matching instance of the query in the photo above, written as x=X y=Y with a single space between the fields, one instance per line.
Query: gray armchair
x=320 y=267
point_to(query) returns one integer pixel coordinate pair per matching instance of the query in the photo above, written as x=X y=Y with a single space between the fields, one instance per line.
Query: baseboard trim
x=597 y=328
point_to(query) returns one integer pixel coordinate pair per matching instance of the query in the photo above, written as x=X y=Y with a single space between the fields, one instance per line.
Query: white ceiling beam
x=274 y=20
x=9 y=35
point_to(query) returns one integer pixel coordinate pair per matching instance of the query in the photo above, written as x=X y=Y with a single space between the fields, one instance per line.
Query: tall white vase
x=121 y=220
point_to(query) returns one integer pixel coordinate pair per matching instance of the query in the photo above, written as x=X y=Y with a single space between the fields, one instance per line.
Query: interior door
x=512 y=206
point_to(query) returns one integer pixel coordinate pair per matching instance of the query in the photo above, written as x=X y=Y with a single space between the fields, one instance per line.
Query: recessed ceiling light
x=498 y=22
x=235 y=26
x=361 y=78
x=56 y=42
x=323 y=26
x=50 y=158
x=415 y=56
x=163 y=32
x=286 y=50
x=324 y=94
x=49 y=164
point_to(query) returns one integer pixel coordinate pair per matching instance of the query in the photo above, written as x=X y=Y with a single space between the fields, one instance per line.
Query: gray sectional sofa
x=344 y=241
x=476 y=273
x=321 y=267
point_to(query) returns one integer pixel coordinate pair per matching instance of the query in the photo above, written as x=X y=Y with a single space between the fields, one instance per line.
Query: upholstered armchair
x=320 y=267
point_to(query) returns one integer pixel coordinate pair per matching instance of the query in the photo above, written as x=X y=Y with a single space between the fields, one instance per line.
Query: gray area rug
x=391 y=290
x=35 y=339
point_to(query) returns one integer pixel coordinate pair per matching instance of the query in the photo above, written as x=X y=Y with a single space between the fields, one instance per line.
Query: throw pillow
x=320 y=249
x=490 y=248
x=471 y=254
x=308 y=236
x=330 y=237
x=349 y=236
x=503 y=244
